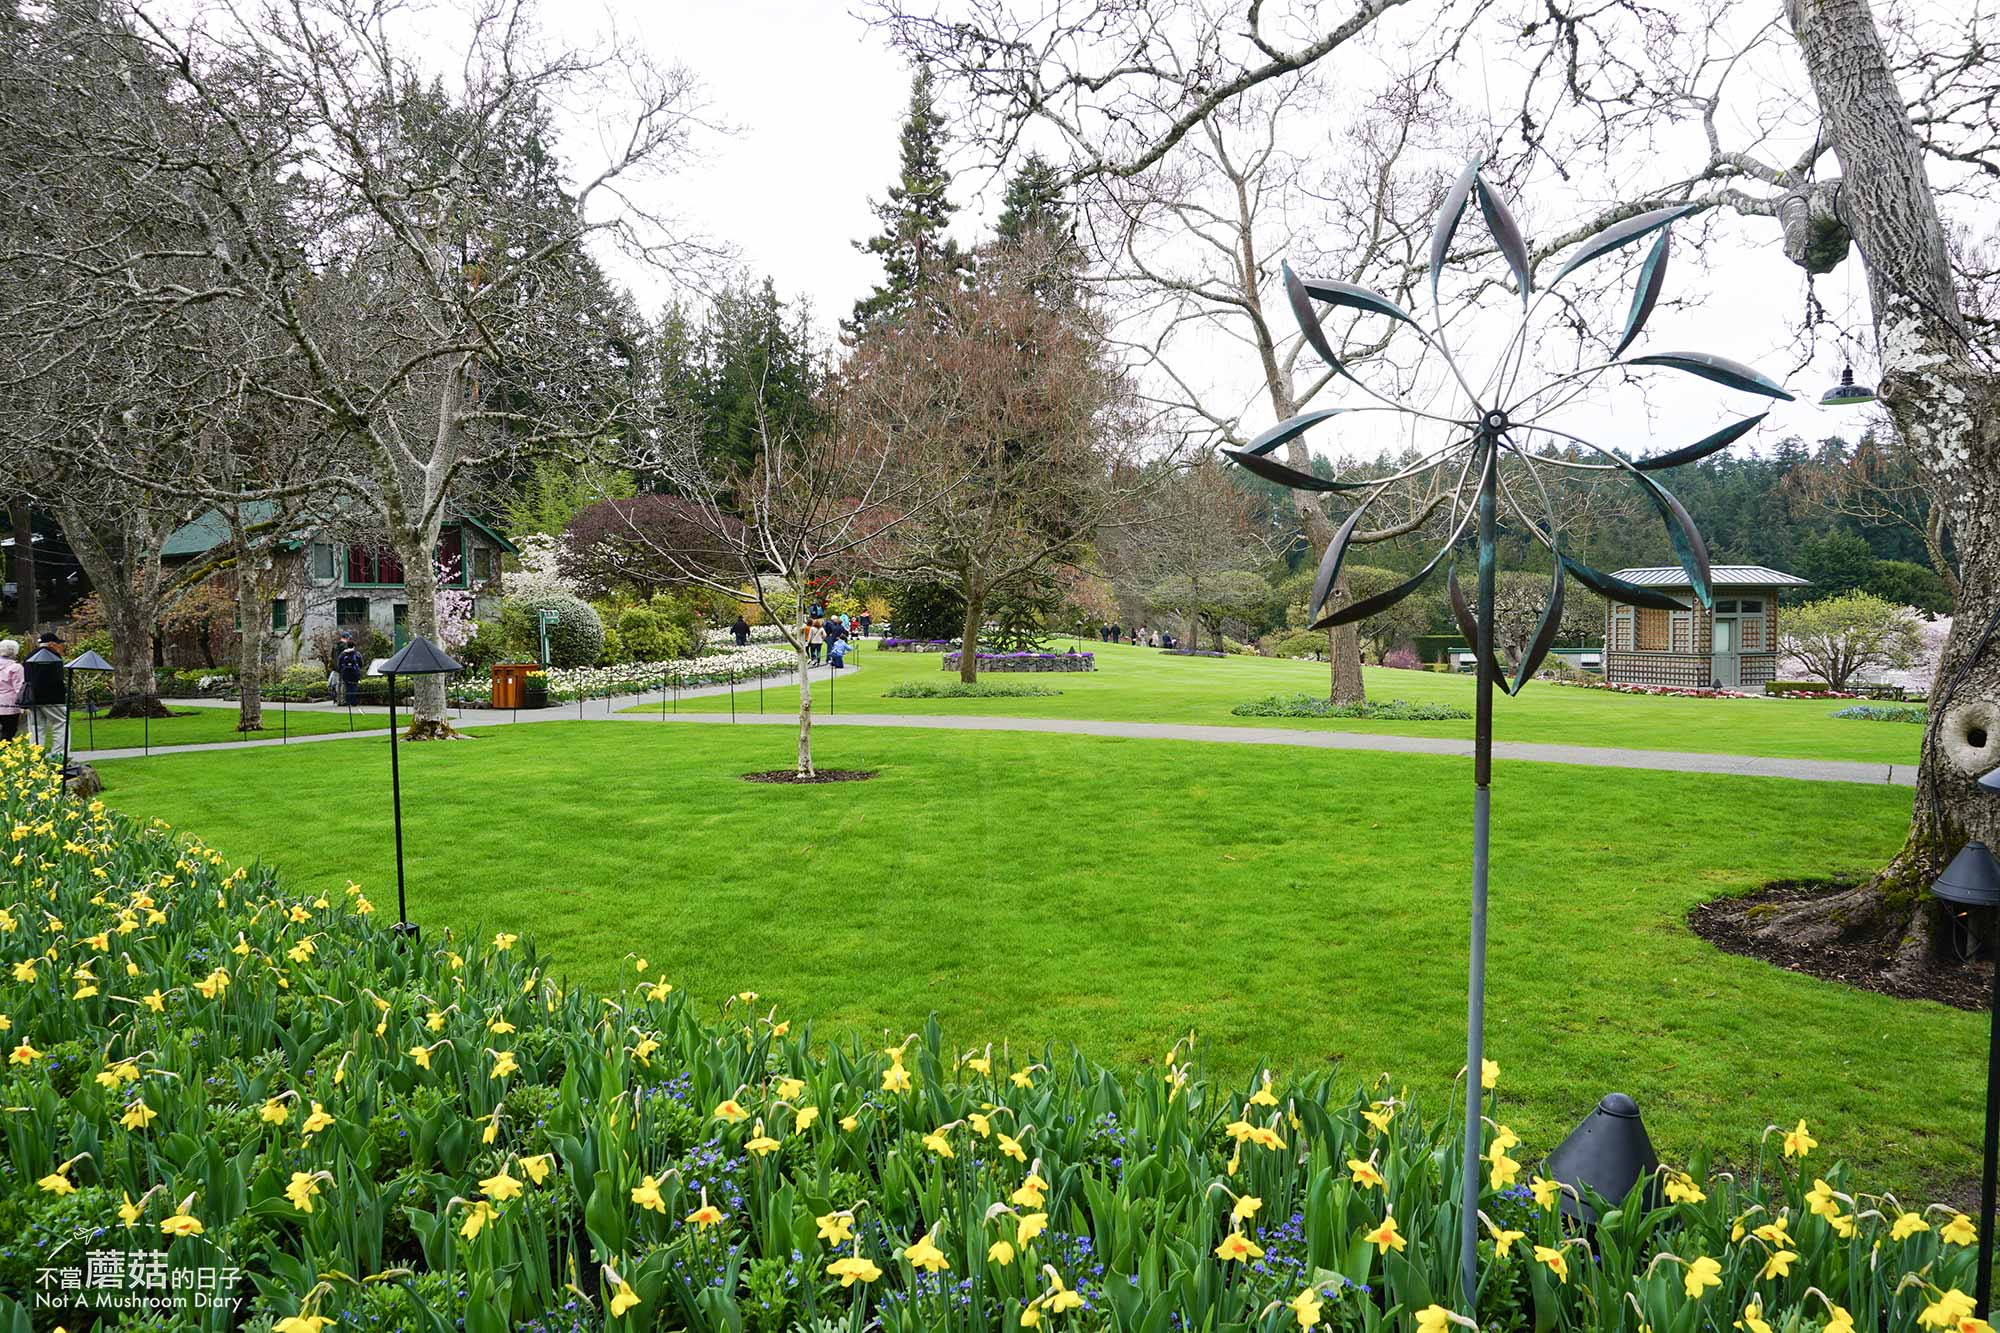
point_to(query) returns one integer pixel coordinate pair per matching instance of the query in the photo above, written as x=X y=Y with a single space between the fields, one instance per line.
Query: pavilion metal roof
x=1719 y=576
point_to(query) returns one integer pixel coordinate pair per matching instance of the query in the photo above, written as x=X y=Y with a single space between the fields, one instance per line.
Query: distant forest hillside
x=1834 y=513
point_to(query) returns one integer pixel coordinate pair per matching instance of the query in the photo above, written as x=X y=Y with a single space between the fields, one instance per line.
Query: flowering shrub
x=571 y=683
x=1806 y=689
x=1385 y=710
x=1882 y=713
x=1662 y=691
x=1028 y=662
x=208 y=1069
x=721 y=639
x=1402 y=659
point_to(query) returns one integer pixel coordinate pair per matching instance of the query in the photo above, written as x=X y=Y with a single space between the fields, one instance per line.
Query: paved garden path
x=1673 y=761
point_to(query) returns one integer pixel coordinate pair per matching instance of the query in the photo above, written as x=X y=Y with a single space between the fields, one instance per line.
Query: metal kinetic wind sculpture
x=1499 y=421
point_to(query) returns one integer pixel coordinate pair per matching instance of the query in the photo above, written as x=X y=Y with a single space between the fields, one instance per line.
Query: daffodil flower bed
x=203 y=1066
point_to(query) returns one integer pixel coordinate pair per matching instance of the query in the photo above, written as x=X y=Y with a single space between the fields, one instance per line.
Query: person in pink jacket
x=12 y=677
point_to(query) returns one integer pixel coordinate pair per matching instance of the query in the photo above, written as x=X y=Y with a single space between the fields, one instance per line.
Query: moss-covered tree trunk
x=251 y=608
x=1946 y=409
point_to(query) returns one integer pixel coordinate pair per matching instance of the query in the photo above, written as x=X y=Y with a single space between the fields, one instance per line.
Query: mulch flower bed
x=1730 y=923
x=790 y=777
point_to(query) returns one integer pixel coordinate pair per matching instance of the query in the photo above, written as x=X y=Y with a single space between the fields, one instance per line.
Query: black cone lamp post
x=419 y=657
x=1972 y=881
x=87 y=660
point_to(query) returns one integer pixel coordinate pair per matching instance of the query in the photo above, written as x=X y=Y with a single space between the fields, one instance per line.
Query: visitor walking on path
x=12 y=678
x=348 y=664
x=46 y=698
x=837 y=654
x=815 y=641
x=741 y=631
x=867 y=622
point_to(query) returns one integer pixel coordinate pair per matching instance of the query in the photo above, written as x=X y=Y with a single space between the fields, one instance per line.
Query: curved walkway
x=1672 y=761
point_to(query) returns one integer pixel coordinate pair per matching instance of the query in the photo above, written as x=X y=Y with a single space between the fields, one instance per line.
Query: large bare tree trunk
x=429 y=718
x=975 y=619
x=250 y=608
x=1947 y=410
x=130 y=592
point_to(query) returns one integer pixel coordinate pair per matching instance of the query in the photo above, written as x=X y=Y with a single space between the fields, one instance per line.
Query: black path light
x=1499 y=418
x=1972 y=881
x=419 y=657
x=87 y=660
x=1608 y=1153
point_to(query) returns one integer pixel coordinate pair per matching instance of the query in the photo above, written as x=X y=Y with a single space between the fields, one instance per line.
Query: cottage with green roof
x=1734 y=646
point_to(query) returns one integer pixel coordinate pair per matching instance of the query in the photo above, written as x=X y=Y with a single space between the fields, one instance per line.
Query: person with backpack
x=741 y=631
x=349 y=665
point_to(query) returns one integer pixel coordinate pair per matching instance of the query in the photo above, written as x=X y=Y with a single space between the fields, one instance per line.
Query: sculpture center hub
x=1496 y=421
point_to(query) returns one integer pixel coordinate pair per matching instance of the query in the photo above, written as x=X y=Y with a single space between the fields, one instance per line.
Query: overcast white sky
x=817 y=99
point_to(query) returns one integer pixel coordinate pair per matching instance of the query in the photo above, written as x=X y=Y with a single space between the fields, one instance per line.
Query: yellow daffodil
x=1753 y=1319
x=1907 y=1225
x=1949 y=1310
x=1489 y=1074
x=302 y=1190
x=1022 y=1078
x=1552 y=1258
x=1842 y=1224
x=1365 y=1175
x=623 y=1298
x=1682 y=1189
x=504 y=941
x=1503 y=1170
x=1504 y=1140
x=938 y=1143
x=762 y=1144
x=853 y=1269
x=128 y=1212
x=1379 y=1115
x=1702 y=1274
x=1798 y=1143
x=138 y=1115
x=1264 y=1096
x=1959 y=1231
x=24 y=1054
x=317 y=1121
x=1305 y=1307
x=1385 y=1237
x=301 y=1323
x=835 y=1228
x=1246 y=1208
x=1238 y=1247
x=1777 y=1232
x=1011 y=1147
x=1000 y=1252
x=1433 y=1319
x=647 y=1195
x=1779 y=1264
x=707 y=1215
x=1546 y=1192
x=537 y=1167
x=926 y=1256
x=1503 y=1239
x=274 y=1112
x=501 y=1187
x=805 y=1118
x=422 y=1055
x=1820 y=1200
x=730 y=1111
x=789 y=1088
x=1031 y=1192
x=58 y=1181
x=1838 y=1320
x=895 y=1079
x=476 y=1219
x=1029 y=1226
x=504 y=1064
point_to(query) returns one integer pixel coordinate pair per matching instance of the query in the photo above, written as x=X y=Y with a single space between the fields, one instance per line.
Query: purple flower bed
x=1028 y=662
x=915 y=645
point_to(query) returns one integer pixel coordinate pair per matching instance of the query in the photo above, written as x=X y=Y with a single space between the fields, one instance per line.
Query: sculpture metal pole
x=1482 y=817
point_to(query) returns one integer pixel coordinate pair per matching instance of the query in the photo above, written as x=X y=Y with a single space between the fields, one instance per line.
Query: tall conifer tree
x=912 y=244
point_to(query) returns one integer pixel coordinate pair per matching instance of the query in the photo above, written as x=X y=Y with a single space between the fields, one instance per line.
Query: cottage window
x=322 y=562
x=351 y=614
x=482 y=564
x=373 y=567
x=1652 y=630
x=451 y=557
x=280 y=615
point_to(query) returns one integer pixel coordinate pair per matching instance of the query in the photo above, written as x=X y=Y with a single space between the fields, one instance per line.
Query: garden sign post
x=1498 y=422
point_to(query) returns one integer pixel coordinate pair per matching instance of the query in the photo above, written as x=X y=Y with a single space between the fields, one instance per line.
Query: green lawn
x=1293 y=907
x=1143 y=685
x=198 y=726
